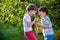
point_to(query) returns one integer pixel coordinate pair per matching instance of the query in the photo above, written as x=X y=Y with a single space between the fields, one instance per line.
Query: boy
x=46 y=23
x=28 y=32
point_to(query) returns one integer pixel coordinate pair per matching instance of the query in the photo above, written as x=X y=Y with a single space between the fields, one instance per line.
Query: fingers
x=36 y=19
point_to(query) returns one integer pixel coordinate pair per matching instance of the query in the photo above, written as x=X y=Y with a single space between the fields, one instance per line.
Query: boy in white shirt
x=27 y=23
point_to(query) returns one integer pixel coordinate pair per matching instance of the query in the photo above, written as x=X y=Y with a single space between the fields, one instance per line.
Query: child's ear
x=44 y=12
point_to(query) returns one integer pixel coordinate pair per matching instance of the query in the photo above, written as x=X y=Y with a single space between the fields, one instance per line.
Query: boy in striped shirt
x=46 y=23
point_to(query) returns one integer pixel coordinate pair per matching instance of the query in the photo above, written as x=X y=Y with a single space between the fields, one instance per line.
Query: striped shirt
x=49 y=30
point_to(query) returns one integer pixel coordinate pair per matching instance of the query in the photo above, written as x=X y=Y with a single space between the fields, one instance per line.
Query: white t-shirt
x=26 y=19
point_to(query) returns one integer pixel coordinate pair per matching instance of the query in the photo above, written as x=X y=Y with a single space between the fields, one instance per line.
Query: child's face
x=33 y=12
x=41 y=13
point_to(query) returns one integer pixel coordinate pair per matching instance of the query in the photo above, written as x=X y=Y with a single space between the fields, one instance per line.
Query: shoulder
x=26 y=16
x=47 y=18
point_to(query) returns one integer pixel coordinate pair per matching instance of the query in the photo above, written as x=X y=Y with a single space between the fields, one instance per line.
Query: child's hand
x=36 y=19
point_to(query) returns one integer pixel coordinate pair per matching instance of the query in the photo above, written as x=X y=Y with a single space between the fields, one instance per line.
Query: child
x=28 y=31
x=46 y=24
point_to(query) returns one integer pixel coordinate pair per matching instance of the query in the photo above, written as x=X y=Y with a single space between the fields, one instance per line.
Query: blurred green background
x=11 y=16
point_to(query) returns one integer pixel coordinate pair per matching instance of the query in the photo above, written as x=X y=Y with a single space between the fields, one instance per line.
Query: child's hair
x=43 y=9
x=31 y=7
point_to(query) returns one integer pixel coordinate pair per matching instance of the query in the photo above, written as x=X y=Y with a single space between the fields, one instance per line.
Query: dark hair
x=31 y=7
x=43 y=9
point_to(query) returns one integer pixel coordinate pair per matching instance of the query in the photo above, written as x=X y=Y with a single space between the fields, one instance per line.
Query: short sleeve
x=46 y=21
x=28 y=19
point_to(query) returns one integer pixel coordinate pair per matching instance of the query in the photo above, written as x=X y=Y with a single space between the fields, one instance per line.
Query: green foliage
x=57 y=35
x=12 y=12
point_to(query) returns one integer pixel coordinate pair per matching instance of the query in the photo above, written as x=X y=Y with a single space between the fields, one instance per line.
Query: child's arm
x=29 y=24
x=42 y=25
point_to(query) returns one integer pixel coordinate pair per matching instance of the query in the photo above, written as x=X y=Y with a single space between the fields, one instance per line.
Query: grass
x=8 y=32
